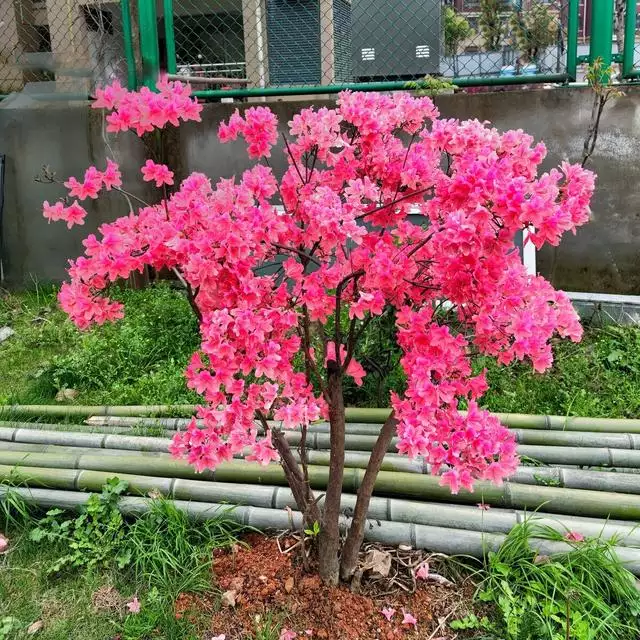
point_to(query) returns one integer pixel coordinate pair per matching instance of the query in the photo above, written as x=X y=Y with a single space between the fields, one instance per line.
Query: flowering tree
x=338 y=227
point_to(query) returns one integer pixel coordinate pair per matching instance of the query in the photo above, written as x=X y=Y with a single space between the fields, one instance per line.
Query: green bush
x=139 y=359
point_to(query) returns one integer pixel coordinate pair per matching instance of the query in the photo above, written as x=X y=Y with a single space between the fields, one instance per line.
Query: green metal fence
x=631 y=47
x=272 y=47
x=237 y=48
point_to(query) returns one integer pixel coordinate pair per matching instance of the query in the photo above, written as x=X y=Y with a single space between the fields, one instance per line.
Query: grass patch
x=76 y=573
x=584 y=594
x=141 y=360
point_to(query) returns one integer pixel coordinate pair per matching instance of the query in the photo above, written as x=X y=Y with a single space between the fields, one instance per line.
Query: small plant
x=600 y=79
x=471 y=621
x=431 y=86
x=94 y=539
x=314 y=531
x=171 y=554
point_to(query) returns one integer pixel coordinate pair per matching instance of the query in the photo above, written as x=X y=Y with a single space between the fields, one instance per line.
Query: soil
x=260 y=583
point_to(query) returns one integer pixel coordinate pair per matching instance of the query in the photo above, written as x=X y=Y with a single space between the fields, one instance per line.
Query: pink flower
x=308 y=632
x=158 y=172
x=287 y=634
x=388 y=613
x=423 y=571
x=134 y=605
x=483 y=506
x=111 y=176
x=4 y=544
x=222 y=636
x=408 y=619
x=53 y=212
x=574 y=536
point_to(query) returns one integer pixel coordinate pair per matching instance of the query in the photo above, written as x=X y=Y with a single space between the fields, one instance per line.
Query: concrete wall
x=603 y=257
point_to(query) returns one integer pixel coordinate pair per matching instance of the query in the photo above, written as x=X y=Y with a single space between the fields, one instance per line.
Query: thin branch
x=339 y=289
x=295 y=164
x=413 y=194
x=302 y=254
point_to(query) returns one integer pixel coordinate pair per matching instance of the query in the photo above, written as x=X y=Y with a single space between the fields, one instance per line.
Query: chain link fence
x=271 y=43
x=60 y=46
x=257 y=45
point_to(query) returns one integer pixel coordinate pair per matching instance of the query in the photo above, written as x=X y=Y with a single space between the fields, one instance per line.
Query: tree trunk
x=329 y=538
x=620 y=10
x=355 y=536
x=299 y=486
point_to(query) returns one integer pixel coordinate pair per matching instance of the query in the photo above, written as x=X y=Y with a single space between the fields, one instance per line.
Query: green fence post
x=170 y=36
x=127 y=37
x=572 y=40
x=149 y=50
x=601 y=32
x=629 y=39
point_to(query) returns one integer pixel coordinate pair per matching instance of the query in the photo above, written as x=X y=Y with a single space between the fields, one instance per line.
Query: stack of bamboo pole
x=56 y=464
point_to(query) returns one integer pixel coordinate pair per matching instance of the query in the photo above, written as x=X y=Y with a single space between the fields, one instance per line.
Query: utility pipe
x=62 y=471
x=436 y=539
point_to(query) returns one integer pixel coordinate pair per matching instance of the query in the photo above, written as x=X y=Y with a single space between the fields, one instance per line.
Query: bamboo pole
x=434 y=538
x=568 y=455
x=354 y=414
x=54 y=468
x=546 y=476
x=451 y=516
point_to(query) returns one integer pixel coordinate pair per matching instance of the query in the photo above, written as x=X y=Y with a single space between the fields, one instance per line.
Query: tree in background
x=338 y=227
x=619 y=14
x=533 y=31
x=491 y=24
x=456 y=30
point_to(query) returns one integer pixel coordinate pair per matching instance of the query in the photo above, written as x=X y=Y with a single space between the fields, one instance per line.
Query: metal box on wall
x=395 y=39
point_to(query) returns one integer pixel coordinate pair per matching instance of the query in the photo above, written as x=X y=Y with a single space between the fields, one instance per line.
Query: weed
x=171 y=554
x=95 y=538
x=584 y=594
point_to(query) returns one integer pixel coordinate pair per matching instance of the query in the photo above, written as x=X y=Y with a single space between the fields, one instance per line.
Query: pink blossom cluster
x=145 y=110
x=266 y=256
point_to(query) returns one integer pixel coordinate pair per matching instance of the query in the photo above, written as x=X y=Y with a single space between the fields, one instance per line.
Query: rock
x=5 y=332
x=237 y=584
x=288 y=584
x=67 y=395
x=229 y=598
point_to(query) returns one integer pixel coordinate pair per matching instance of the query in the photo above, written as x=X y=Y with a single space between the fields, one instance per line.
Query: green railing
x=631 y=51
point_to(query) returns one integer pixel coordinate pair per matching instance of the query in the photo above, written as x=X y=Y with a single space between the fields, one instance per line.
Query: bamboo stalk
x=439 y=539
x=546 y=476
x=353 y=414
x=28 y=467
x=397 y=510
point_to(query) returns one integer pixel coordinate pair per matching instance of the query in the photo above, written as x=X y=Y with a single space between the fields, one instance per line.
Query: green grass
x=141 y=359
x=583 y=594
x=168 y=555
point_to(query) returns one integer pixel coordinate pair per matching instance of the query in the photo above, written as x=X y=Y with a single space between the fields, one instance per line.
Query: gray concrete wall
x=604 y=256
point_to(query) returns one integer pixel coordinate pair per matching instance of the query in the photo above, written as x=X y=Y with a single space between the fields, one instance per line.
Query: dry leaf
x=35 y=627
x=288 y=585
x=378 y=562
x=229 y=598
